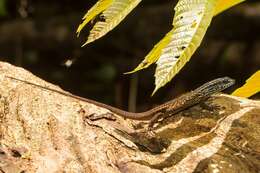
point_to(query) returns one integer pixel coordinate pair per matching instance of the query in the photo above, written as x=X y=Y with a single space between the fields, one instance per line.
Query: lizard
x=169 y=108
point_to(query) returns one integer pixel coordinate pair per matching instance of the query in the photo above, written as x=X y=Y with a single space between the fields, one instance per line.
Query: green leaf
x=100 y=6
x=154 y=54
x=191 y=20
x=222 y=5
x=112 y=13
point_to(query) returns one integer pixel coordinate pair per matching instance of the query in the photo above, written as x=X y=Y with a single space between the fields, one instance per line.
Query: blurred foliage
x=190 y=23
x=40 y=37
x=3 y=11
x=106 y=73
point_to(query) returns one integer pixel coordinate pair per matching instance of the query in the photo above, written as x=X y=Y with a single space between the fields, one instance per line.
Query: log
x=43 y=131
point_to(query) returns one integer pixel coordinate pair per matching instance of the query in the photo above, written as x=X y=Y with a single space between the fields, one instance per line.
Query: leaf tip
x=131 y=72
x=77 y=33
x=154 y=91
x=87 y=42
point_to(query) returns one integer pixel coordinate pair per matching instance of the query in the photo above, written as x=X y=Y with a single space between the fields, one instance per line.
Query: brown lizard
x=167 y=109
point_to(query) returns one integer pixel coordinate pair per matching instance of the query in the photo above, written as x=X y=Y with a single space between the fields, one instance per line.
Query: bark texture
x=43 y=131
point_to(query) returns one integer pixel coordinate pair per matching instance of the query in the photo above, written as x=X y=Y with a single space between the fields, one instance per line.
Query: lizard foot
x=210 y=107
x=108 y=116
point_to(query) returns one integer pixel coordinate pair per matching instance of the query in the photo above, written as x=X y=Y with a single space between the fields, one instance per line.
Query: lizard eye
x=227 y=81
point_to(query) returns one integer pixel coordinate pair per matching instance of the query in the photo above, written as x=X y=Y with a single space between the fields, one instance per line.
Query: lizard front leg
x=210 y=106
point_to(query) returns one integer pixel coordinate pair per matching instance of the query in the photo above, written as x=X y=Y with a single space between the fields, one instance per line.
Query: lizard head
x=215 y=85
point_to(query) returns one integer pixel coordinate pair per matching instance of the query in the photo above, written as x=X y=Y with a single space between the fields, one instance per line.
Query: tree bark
x=43 y=131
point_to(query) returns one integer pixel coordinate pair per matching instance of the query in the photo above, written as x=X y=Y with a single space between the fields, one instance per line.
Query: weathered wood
x=42 y=131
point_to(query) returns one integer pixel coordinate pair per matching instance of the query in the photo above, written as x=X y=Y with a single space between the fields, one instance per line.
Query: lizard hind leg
x=154 y=120
x=108 y=116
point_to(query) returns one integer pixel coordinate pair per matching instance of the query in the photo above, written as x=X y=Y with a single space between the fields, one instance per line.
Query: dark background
x=40 y=36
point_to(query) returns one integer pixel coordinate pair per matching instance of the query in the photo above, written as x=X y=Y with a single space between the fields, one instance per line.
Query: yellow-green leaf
x=222 y=5
x=100 y=6
x=154 y=54
x=191 y=20
x=112 y=14
x=251 y=87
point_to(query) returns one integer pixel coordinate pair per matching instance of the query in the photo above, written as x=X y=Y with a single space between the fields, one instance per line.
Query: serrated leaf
x=154 y=54
x=251 y=87
x=222 y=5
x=112 y=15
x=100 y=6
x=191 y=20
